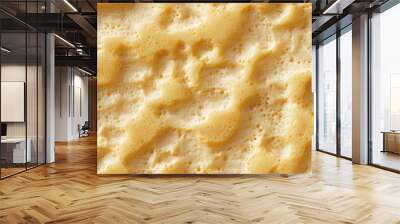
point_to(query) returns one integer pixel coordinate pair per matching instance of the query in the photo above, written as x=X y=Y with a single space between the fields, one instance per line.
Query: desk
x=17 y=150
x=391 y=141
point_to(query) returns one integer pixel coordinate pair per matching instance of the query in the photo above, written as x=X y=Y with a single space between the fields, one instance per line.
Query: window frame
x=334 y=37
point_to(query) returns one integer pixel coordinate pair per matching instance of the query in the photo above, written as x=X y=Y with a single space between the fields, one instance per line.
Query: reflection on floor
x=387 y=159
x=10 y=171
x=70 y=191
x=13 y=169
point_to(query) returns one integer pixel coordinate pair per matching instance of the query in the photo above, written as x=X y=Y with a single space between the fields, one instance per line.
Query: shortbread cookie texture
x=204 y=88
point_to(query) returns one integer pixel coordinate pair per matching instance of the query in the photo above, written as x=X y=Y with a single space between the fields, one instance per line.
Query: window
x=346 y=92
x=385 y=89
x=327 y=96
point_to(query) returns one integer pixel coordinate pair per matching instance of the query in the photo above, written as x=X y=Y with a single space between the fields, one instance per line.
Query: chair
x=84 y=130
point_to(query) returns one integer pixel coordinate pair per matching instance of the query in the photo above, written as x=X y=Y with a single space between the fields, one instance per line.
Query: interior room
x=22 y=102
x=49 y=145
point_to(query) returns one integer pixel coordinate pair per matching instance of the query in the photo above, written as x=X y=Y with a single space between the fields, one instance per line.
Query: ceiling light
x=84 y=71
x=65 y=41
x=5 y=50
x=80 y=51
x=70 y=5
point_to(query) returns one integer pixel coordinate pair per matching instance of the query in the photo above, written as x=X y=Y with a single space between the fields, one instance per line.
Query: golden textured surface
x=70 y=191
x=204 y=88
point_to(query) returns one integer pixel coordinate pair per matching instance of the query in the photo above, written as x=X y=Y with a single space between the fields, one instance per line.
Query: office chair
x=84 y=130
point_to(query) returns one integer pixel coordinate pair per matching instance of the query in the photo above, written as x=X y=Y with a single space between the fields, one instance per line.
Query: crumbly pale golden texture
x=204 y=88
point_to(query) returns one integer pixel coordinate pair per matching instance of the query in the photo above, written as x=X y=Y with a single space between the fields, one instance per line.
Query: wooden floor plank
x=70 y=191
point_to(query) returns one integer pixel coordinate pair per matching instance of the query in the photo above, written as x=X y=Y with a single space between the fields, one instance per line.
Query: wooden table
x=391 y=141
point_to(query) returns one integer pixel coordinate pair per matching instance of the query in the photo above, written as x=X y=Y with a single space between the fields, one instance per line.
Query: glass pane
x=386 y=89
x=31 y=98
x=346 y=94
x=31 y=87
x=41 y=98
x=327 y=96
x=13 y=90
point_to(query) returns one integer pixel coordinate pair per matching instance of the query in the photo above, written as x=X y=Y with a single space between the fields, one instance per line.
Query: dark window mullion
x=37 y=90
x=338 y=74
x=369 y=91
x=316 y=97
x=26 y=87
x=0 y=96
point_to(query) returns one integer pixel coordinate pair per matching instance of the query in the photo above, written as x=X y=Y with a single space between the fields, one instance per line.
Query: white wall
x=80 y=84
x=61 y=103
x=70 y=83
x=12 y=73
x=33 y=127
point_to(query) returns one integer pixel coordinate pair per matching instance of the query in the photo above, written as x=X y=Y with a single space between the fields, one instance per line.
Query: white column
x=50 y=92
x=360 y=90
x=50 y=99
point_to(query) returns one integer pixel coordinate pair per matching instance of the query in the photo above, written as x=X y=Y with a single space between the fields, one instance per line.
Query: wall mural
x=204 y=88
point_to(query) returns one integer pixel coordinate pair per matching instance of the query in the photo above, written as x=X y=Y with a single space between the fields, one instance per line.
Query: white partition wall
x=71 y=102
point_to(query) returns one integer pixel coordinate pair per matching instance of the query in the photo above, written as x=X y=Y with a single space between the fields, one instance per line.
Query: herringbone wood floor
x=69 y=191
